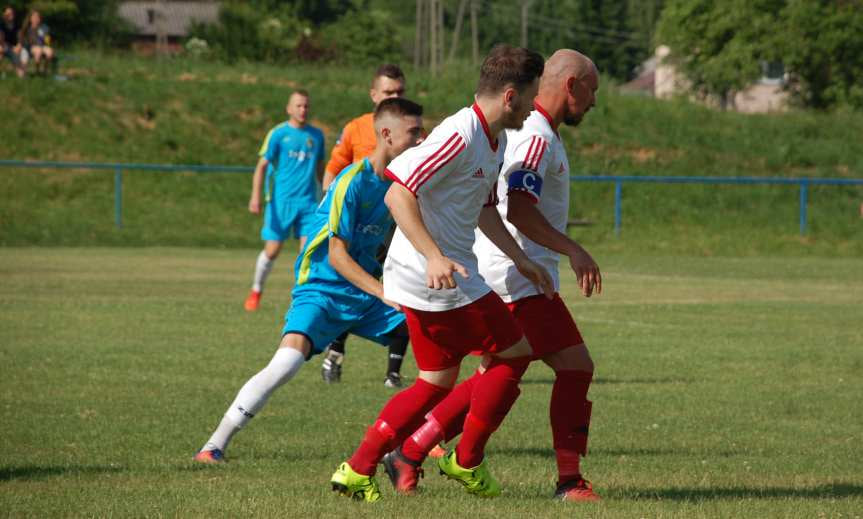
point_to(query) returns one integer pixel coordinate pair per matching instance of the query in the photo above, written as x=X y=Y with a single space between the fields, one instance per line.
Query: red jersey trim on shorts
x=491 y=142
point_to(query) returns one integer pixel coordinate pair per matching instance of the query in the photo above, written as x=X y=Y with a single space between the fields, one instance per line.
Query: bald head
x=568 y=86
x=566 y=63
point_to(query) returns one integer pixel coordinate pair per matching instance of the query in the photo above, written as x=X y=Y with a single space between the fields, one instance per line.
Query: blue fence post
x=118 y=197
x=804 y=201
x=618 y=188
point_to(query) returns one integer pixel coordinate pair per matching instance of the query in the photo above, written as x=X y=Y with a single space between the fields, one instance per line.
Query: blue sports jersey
x=353 y=209
x=293 y=154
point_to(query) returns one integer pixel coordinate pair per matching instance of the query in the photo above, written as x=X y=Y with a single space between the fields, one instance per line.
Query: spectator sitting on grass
x=9 y=44
x=36 y=38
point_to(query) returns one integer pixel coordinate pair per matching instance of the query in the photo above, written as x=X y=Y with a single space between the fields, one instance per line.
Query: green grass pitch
x=725 y=387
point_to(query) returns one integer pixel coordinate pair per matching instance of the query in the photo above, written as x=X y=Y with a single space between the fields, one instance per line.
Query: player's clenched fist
x=255 y=205
x=440 y=270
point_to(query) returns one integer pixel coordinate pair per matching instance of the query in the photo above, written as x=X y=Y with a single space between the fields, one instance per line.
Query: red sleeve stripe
x=534 y=154
x=526 y=162
x=538 y=159
x=437 y=152
x=433 y=167
x=392 y=176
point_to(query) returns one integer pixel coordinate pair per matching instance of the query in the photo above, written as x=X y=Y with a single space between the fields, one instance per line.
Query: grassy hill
x=121 y=108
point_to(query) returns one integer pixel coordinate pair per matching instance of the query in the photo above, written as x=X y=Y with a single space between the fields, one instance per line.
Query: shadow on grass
x=32 y=472
x=548 y=452
x=839 y=490
x=602 y=380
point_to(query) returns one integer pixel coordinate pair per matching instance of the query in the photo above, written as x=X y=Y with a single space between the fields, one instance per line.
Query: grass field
x=726 y=388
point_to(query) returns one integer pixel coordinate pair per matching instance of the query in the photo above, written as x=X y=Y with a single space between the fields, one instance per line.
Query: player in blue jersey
x=293 y=158
x=337 y=289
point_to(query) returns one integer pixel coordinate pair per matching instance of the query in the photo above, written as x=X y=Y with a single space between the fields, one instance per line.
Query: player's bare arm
x=349 y=269
x=319 y=172
x=405 y=209
x=522 y=212
x=492 y=226
x=327 y=179
x=257 y=185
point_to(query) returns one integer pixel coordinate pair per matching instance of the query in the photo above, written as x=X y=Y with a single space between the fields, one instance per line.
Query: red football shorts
x=440 y=340
x=547 y=324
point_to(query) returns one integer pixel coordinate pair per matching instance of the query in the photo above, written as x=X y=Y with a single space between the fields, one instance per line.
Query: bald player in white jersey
x=533 y=198
x=441 y=192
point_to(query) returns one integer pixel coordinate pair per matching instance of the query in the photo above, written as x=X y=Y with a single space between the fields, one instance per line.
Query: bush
x=247 y=32
x=363 y=36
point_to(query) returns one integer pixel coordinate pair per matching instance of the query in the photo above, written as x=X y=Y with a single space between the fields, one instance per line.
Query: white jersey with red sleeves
x=535 y=165
x=453 y=175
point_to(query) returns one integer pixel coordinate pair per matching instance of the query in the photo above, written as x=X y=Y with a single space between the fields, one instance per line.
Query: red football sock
x=443 y=423
x=402 y=415
x=570 y=420
x=494 y=393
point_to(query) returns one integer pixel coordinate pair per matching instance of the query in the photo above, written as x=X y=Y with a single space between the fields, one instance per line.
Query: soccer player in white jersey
x=443 y=189
x=534 y=200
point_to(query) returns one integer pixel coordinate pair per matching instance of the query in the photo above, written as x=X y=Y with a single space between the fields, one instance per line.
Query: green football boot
x=477 y=481
x=354 y=485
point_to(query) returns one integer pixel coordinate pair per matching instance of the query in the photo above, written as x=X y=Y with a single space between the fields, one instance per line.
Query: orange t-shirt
x=357 y=142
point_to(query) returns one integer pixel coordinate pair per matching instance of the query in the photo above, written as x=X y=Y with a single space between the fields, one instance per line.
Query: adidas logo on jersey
x=479 y=174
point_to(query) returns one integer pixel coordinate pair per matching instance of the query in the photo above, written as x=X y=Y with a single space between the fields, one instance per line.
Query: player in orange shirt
x=357 y=141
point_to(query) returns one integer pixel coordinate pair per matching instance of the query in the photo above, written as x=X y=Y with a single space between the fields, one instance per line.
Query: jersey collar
x=491 y=142
x=538 y=107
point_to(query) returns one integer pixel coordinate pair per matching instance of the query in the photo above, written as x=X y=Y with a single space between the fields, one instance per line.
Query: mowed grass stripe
x=725 y=387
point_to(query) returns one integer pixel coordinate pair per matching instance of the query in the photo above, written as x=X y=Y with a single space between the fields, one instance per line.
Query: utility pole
x=433 y=35
x=525 y=5
x=457 y=33
x=418 y=36
x=441 y=33
x=474 y=36
x=161 y=16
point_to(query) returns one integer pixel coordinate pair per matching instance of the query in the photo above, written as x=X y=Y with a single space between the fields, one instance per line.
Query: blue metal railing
x=804 y=184
x=618 y=181
x=118 y=173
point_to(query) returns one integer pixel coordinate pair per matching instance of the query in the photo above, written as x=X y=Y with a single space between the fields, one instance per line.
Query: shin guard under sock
x=570 y=420
x=401 y=416
x=495 y=392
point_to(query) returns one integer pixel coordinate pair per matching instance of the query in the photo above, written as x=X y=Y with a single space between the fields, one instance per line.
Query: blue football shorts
x=322 y=317
x=288 y=218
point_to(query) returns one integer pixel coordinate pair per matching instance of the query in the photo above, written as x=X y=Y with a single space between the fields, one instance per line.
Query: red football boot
x=404 y=474
x=578 y=489
x=253 y=301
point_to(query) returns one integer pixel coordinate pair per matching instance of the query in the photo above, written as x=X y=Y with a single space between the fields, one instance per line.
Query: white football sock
x=263 y=266
x=254 y=394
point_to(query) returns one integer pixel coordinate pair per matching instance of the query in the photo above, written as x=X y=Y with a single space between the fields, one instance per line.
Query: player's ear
x=509 y=95
x=385 y=133
x=570 y=85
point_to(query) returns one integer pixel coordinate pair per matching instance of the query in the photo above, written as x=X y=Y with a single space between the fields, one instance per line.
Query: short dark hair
x=300 y=92
x=506 y=65
x=388 y=70
x=398 y=107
